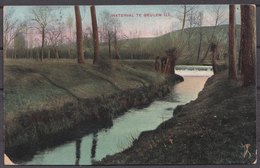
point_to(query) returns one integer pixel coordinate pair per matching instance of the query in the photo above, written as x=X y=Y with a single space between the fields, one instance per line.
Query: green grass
x=38 y=85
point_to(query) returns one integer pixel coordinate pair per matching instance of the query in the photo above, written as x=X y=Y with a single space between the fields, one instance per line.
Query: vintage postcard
x=129 y=84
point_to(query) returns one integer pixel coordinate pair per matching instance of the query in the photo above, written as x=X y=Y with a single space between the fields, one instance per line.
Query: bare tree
x=79 y=35
x=10 y=29
x=42 y=18
x=25 y=29
x=200 y=34
x=54 y=36
x=70 y=39
x=218 y=14
x=213 y=48
x=106 y=29
x=232 y=56
x=55 y=33
x=186 y=10
x=193 y=18
x=69 y=23
x=109 y=31
x=248 y=44
x=134 y=43
x=95 y=34
x=118 y=35
x=19 y=45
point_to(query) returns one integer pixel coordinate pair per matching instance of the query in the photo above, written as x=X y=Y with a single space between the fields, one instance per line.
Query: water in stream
x=97 y=145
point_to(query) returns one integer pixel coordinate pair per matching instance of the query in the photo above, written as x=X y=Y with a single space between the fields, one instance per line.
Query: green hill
x=187 y=42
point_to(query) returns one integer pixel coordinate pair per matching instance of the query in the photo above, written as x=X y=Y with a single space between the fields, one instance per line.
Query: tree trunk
x=49 y=54
x=79 y=35
x=184 y=17
x=42 y=47
x=199 y=50
x=37 y=55
x=208 y=49
x=232 y=51
x=78 y=146
x=248 y=44
x=115 y=46
x=69 y=53
x=56 y=53
x=109 y=44
x=213 y=48
x=4 y=52
x=14 y=53
x=213 y=60
x=95 y=34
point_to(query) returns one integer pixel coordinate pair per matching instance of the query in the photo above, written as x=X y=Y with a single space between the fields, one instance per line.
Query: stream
x=126 y=128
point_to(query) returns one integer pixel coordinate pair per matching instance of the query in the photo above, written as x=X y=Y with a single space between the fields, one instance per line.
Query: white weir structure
x=193 y=70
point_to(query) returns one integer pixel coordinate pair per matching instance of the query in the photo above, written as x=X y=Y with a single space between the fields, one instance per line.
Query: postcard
x=130 y=84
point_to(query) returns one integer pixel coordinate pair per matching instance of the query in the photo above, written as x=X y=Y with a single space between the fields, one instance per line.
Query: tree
x=42 y=18
x=186 y=10
x=193 y=18
x=213 y=48
x=95 y=34
x=106 y=32
x=200 y=35
x=88 y=39
x=69 y=23
x=55 y=34
x=170 y=62
x=232 y=56
x=218 y=14
x=19 y=41
x=248 y=44
x=110 y=32
x=25 y=28
x=117 y=34
x=79 y=35
x=134 y=43
x=10 y=29
x=55 y=38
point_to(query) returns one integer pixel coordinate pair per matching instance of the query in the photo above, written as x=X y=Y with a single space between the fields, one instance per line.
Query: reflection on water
x=78 y=143
x=94 y=146
x=97 y=145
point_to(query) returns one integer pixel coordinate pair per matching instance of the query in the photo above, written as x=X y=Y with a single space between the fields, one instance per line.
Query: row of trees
x=50 y=33
x=247 y=52
x=46 y=33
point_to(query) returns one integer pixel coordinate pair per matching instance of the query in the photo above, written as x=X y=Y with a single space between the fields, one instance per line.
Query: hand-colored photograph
x=130 y=84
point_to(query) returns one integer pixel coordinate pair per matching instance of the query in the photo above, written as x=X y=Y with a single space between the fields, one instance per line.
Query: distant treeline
x=192 y=44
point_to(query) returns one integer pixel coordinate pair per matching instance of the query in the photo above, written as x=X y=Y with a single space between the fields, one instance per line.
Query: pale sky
x=147 y=26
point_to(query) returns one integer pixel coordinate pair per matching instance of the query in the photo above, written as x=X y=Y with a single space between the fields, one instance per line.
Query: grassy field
x=33 y=85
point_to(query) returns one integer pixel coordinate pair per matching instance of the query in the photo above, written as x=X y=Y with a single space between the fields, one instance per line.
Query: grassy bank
x=46 y=101
x=208 y=130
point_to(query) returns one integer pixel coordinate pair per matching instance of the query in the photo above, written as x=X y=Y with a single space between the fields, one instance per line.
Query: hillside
x=188 y=44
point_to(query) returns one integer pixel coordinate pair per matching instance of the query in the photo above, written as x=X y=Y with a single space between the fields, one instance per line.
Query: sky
x=146 y=26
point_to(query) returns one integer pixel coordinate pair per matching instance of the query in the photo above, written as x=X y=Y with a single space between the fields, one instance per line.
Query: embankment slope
x=46 y=102
x=208 y=130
